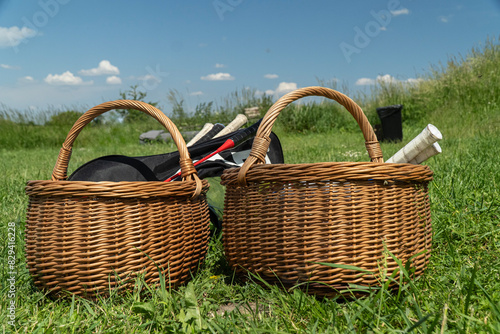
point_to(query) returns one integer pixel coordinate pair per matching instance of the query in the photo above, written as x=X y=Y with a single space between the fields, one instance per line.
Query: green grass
x=459 y=292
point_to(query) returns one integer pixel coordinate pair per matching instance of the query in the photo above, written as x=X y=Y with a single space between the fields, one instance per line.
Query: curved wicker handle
x=188 y=171
x=262 y=140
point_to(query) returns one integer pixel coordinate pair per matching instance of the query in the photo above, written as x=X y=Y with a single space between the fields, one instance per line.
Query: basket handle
x=262 y=140
x=188 y=172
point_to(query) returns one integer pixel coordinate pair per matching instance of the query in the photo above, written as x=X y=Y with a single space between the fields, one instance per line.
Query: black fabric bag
x=161 y=167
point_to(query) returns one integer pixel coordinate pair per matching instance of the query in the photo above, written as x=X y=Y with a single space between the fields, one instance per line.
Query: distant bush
x=65 y=118
x=315 y=117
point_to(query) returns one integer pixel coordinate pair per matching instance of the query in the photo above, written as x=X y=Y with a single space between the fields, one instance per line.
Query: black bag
x=163 y=167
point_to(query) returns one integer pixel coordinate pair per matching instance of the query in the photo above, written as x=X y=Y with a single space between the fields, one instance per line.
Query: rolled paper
x=430 y=151
x=426 y=138
x=207 y=127
x=237 y=123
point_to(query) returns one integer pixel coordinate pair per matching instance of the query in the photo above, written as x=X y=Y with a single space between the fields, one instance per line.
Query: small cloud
x=67 y=78
x=9 y=67
x=364 y=82
x=104 y=68
x=414 y=81
x=386 y=78
x=445 y=19
x=219 y=65
x=402 y=11
x=383 y=28
x=198 y=93
x=13 y=36
x=149 y=77
x=113 y=80
x=269 y=92
x=285 y=87
x=271 y=76
x=26 y=79
x=218 y=77
x=202 y=45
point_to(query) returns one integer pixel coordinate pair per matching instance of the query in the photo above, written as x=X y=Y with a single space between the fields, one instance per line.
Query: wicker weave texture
x=287 y=220
x=89 y=237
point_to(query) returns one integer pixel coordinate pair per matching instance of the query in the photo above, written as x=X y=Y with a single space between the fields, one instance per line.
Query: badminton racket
x=237 y=139
x=426 y=138
x=207 y=127
x=429 y=152
x=236 y=123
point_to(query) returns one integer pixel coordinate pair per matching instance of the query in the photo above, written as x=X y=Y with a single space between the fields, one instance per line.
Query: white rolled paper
x=430 y=151
x=207 y=127
x=426 y=138
x=233 y=126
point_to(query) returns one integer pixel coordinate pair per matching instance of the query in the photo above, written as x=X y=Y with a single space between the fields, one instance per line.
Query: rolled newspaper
x=430 y=151
x=417 y=145
x=207 y=127
x=236 y=123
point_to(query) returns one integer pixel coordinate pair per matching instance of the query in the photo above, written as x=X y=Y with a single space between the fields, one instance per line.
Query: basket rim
x=122 y=189
x=331 y=171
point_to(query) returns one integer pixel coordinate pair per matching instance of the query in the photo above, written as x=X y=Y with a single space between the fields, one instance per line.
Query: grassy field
x=459 y=293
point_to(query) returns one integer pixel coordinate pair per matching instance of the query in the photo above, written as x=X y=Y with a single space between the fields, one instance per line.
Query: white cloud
x=271 y=76
x=282 y=89
x=26 y=79
x=386 y=78
x=285 y=87
x=402 y=11
x=445 y=19
x=414 y=81
x=218 y=77
x=267 y=92
x=9 y=67
x=198 y=93
x=149 y=77
x=113 y=80
x=13 y=36
x=219 y=65
x=67 y=78
x=364 y=82
x=104 y=68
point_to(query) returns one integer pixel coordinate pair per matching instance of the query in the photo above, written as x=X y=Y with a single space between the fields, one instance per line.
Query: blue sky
x=79 y=53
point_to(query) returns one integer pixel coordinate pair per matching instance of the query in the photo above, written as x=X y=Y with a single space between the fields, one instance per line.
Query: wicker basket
x=87 y=238
x=284 y=221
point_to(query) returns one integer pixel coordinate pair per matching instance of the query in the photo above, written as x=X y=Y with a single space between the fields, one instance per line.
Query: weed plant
x=459 y=292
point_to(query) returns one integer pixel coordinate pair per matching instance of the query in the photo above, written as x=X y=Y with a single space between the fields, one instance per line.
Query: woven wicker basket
x=283 y=221
x=87 y=238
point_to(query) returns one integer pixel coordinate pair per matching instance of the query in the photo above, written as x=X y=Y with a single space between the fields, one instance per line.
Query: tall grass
x=459 y=293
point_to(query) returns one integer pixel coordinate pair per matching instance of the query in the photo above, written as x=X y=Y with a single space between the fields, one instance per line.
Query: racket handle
x=210 y=134
x=207 y=127
x=430 y=151
x=426 y=138
x=235 y=124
